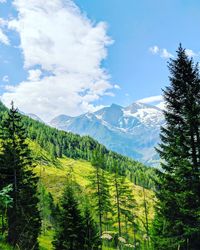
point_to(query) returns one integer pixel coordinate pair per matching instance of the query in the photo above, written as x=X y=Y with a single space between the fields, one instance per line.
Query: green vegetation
x=23 y=220
x=52 y=173
x=63 y=191
x=54 y=179
x=177 y=220
x=59 y=143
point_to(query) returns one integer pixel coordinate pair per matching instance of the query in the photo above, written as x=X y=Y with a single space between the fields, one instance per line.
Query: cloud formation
x=192 y=53
x=163 y=53
x=3 y=37
x=151 y=99
x=63 y=51
x=156 y=100
x=5 y=78
x=34 y=75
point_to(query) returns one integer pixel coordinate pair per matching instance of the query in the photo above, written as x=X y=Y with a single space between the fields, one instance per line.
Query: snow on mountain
x=132 y=131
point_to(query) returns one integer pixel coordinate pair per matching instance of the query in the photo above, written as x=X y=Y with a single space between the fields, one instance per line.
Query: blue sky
x=137 y=25
x=110 y=51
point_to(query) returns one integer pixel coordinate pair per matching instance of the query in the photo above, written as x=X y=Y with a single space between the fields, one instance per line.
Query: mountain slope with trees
x=61 y=143
x=132 y=131
x=43 y=152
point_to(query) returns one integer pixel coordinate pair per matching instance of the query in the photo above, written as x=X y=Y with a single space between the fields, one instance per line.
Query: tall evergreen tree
x=124 y=200
x=16 y=168
x=101 y=194
x=70 y=233
x=92 y=240
x=177 y=220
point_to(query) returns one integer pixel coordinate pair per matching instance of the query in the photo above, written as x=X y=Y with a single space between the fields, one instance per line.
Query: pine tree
x=124 y=200
x=54 y=211
x=70 y=233
x=16 y=168
x=100 y=190
x=177 y=220
x=46 y=207
x=92 y=240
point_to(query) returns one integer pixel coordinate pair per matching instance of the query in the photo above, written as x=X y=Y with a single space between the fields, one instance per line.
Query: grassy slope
x=53 y=175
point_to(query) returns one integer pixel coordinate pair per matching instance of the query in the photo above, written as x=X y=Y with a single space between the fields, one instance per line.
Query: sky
x=71 y=57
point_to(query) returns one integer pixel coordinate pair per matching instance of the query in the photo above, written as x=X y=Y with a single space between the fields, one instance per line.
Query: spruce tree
x=70 y=233
x=92 y=240
x=16 y=168
x=177 y=220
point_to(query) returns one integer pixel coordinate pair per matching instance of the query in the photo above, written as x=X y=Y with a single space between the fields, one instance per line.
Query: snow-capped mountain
x=132 y=131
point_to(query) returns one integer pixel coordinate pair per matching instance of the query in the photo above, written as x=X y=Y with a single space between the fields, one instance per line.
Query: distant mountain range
x=132 y=131
x=35 y=117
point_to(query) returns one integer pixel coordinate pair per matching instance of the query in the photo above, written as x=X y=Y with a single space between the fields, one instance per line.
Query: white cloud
x=163 y=53
x=151 y=99
x=154 y=49
x=116 y=86
x=34 y=74
x=3 y=38
x=3 y=22
x=3 y=1
x=5 y=78
x=69 y=49
x=191 y=53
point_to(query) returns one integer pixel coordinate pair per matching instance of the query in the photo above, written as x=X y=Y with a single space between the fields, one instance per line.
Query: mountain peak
x=132 y=131
x=113 y=105
x=35 y=117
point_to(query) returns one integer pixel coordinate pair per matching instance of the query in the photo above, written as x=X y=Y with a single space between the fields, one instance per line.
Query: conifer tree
x=177 y=220
x=92 y=240
x=124 y=200
x=101 y=194
x=54 y=211
x=16 y=168
x=70 y=233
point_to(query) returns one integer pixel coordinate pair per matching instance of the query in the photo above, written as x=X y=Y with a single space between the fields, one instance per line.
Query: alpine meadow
x=99 y=125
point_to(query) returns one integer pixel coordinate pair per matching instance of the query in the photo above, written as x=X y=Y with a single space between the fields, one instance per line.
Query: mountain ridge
x=132 y=131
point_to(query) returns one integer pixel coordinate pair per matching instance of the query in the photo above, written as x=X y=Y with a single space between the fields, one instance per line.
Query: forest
x=63 y=191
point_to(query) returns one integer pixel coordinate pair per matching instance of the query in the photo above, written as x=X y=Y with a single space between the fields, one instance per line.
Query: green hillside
x=60 y=143
x=57 y=153
x=53 y=176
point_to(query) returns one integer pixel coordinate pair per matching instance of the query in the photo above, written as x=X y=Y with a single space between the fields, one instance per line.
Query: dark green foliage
x=177 y=221
x=16 y=169
x=100 y=194
x=54 y=211
x=47 y=209
x=59 y=143
x=124 y=202
x=92 y=240
x=70 y=233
